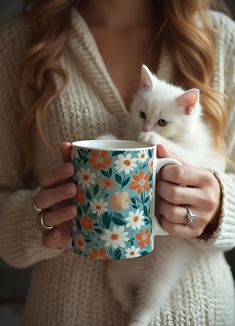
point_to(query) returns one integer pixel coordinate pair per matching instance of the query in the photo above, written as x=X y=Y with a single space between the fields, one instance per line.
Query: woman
x=81 y=68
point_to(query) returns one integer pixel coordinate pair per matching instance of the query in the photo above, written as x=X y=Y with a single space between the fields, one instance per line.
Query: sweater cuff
x=224 y=236
x=20 y=235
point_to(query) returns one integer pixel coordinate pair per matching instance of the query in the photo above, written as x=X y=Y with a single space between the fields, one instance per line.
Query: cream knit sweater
x=70 y=290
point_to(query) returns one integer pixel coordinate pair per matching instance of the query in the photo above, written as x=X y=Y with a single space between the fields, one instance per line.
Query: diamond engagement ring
x=190 y=216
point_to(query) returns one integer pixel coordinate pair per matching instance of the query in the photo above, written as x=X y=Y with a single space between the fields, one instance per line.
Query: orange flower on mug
x=119 y=200
x=86 y=223
x=140 y=182
x=100 y=159
x=143 y=237
x=99 y=254
x=80 y=242
x=80 y=196
x=107 y=183
x=151 y=164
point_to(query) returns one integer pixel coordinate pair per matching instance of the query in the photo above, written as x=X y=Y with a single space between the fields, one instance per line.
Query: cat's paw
x=150 y=138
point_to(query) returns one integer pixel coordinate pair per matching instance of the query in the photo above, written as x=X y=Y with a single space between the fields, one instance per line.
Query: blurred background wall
x=14 y=282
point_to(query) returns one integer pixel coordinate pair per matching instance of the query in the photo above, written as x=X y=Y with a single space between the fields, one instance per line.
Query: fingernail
x=70 y=189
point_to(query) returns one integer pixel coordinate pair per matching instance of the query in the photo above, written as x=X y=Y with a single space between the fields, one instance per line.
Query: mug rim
x=99 y=144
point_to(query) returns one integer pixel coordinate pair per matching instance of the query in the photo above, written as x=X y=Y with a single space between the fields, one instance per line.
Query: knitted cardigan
x=67 y=289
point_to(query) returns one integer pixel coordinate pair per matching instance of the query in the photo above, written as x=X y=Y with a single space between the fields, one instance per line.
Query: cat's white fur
x=142 y=285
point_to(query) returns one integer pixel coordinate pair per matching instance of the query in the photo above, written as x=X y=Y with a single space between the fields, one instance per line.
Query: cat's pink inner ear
x=188 y=100
x=146 y=78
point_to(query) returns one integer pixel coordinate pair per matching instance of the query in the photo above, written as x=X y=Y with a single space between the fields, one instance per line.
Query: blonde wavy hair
x=191 y=47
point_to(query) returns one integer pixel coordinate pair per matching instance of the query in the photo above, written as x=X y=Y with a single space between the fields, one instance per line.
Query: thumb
x=65 y=150
x=162 y=152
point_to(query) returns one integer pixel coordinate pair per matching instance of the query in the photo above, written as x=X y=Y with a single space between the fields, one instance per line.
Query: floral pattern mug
x=115 y=182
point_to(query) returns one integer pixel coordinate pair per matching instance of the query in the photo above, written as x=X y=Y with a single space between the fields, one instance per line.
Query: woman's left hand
x=202 y=195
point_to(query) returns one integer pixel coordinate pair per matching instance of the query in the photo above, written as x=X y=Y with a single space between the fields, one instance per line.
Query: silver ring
x=35 y=207
x=190 y=216
x=46 y=227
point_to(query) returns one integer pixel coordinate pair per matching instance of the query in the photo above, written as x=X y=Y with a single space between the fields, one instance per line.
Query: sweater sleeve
x=20 y=236
x=223 y=238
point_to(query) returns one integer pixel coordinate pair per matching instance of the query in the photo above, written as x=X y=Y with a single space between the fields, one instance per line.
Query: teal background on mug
x=114 y=202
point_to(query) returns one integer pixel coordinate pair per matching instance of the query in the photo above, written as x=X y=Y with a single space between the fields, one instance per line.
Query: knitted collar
x=91 y=62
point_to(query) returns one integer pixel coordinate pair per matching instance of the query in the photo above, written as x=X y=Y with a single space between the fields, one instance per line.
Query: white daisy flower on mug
x=135 y=220
x=125 y=163
x=98 y=206
x=115 y=237
x=86 y=178
x=143 y=156
x=132 y=252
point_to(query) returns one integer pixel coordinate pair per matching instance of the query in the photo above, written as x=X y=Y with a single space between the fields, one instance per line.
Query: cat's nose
x=147 y=127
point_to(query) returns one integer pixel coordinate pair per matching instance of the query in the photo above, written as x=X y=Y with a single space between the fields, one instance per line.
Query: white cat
x=161 y=114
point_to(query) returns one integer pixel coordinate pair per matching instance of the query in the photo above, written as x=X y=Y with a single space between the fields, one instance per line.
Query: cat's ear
x=189 y=100
x=146 y=78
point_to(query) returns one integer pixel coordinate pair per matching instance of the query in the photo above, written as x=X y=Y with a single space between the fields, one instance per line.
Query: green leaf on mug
x=146 y=221
x=87 y=205
x=133 y=200
x=117 y=254
x=137 y=199
x=146 y=211
x=79 y=210
x=79 y=154
x=134 y=206
x=118 y=178
x=115 y=153
x=106 y=195
x=110 y=172
x=106 y=218
x=96 y=189
x=144 y=253
x=151 y=177
x=125 y=182
x=88 y=195
x=146 y=200
x=105 y=173
x=78 y=224
x=84 y=208
x=142 y=197
x=98 y=231
x=118 y=221
x=86 y=152
x=150 y=153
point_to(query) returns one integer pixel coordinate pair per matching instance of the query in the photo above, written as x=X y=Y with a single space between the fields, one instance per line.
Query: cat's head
x=164 y=108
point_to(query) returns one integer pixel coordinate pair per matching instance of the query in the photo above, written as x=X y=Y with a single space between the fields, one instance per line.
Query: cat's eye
x=162 y=123
x=142 y=115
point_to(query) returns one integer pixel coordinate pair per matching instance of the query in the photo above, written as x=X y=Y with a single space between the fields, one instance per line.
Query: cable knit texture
x=69 y=290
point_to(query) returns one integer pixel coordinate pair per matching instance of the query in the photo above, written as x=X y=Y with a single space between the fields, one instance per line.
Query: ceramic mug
x=116 y=184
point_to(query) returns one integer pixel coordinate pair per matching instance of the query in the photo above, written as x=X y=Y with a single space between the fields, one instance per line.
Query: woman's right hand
x=56 y=190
